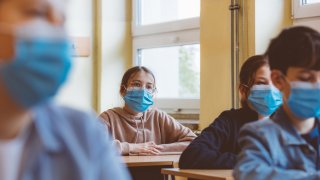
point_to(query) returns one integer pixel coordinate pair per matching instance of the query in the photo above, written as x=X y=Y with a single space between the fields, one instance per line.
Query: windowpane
x=158 y=11
x=177 y=70
x=310 y=1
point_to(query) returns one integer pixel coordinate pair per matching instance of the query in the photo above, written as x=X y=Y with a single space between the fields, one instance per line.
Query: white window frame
x=173 y=33
x=305 y=11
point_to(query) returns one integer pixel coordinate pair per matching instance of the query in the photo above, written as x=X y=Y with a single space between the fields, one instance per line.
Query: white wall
x=116 y=49
x=271 y=17
x=307 y=15
x=77 y=92
x=311 y=22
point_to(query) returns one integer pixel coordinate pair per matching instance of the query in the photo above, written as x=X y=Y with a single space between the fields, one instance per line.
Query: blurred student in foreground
x=38 y=139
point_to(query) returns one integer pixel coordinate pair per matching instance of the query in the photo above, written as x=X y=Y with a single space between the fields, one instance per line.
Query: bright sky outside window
x=159 y=11
x=177 y=70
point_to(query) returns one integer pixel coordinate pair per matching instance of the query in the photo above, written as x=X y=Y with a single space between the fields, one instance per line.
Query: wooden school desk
x=149 y=167
x=161 y=160
x=198 y=174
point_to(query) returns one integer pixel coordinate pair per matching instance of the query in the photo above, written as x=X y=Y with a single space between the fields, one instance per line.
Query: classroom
x=159 y=89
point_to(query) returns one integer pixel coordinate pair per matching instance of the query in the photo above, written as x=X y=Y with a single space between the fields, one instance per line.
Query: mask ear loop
x=125 y=90
x=246 y=86
x=244 y=102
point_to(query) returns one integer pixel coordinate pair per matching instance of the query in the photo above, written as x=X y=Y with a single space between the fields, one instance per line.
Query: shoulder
x=66 y=114
x=106 y=115
x=263 y=129
x=230 y=112
x=67 y=122
x=233 y=114
x=159 y=116
x=226 y=117
x=236 y=117
x=264 y=125
x=156 y=113
x=155 y=110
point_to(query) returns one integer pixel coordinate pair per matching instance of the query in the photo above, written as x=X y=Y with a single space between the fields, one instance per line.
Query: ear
x=122 y=91
x=243 y=91
x=7 y=47
x=277 y=79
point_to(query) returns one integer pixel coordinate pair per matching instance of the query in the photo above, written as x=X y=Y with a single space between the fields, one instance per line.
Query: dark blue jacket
x=217 y=146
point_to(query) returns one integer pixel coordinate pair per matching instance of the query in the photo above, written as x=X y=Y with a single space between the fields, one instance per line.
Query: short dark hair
x=248 y=72
x=295 y=47
x=131 y=72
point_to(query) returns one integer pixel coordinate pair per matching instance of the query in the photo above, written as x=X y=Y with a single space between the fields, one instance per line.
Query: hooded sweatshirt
x=152 y=125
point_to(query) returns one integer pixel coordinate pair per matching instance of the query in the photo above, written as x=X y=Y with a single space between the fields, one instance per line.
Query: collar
x=43 y=116
x=289 y=135
x=132 y=118
x=314 y=133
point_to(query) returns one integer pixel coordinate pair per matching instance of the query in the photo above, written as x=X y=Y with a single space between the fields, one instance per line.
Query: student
x=38 y=139
x=138 y=128
x=217 y=147
x=287 y=145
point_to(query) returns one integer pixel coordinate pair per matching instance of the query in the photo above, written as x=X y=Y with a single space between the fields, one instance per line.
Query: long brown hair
x=248 y=73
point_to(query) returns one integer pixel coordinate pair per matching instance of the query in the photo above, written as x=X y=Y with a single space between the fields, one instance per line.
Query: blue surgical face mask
x=139 y=100
x=304 y=99
x=265 y=99
x=40 y=65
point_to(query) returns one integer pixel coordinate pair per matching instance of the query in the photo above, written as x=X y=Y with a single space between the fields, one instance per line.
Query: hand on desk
x=148 y=148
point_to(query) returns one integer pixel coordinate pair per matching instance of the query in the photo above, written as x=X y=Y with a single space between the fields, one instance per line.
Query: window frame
x=166 y=34
x=305 y=11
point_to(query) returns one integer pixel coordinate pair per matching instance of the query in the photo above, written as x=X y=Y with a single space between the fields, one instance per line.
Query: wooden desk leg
x=165 y=177
x=168 y=177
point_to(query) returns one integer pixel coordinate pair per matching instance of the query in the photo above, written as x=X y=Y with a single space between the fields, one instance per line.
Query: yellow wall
x=260 y=21
x=215 y=59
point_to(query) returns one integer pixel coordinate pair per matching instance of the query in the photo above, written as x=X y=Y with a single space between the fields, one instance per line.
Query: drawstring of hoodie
x=137 y=129
x=137 y=132
x=142 y=120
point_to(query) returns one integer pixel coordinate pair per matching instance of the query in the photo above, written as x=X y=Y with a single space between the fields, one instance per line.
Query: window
x=166 y=39
x=306 y=2
x=306 y=8
x=159 y=11
x=177 y=69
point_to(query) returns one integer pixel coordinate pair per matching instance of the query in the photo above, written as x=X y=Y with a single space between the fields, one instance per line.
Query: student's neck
x=129 y=111
x=11 y=126
x=302 y=126
x=260 y=117
x=12 y=118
